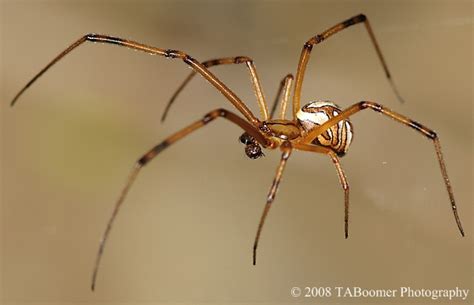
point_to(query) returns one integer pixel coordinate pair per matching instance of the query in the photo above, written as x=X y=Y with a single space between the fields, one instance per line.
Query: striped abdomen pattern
x=314 y=114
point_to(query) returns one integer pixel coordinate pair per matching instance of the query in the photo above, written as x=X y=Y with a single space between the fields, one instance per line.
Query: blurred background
x=186 y=230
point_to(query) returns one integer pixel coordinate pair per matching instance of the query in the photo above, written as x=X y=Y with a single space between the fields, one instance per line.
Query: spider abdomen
x=338 y=136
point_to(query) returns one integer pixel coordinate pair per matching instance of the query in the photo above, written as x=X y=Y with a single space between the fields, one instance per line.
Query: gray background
x=186 y=230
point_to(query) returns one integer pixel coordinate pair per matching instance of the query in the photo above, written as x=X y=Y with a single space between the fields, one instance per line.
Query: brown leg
x=286 y=148
x=195 y=65
x=158 y=149
x=430 y=134
x=308 y=46
x=283 y=95
x=340 y=173
x=225 y=61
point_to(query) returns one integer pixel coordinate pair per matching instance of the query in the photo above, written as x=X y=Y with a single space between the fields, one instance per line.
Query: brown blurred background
x=186 y=230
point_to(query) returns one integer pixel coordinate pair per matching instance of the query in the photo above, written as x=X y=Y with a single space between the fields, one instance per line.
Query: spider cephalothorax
x=318 y=127
x=338 y=136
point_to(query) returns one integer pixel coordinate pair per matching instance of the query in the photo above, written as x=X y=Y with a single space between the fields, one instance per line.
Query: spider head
x=253 y=150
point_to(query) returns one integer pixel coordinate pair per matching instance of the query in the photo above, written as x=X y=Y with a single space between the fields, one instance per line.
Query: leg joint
x=361 y=17
x=242 y=59
x=433 y=135
x=308 y=45
x=372 y=105
x=91 y=36
x=428 y=132
x=287 y=77
x=143 y=160
x=220 y=112
x=315 y=40
x=354 y=20
x=286 y=154
x=175 y=54
x=318 y=38
x=286 y=150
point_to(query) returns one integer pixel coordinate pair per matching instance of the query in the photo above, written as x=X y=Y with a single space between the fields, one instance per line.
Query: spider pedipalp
x=253 y=150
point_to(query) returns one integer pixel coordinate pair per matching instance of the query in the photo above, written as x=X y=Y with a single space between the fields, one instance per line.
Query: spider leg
x=173 y=54
x=286 y=148
x=430 y=134
x=340 y=173
x=308 y=46
x=225 y=61
x=209 y=117
x=283 y=95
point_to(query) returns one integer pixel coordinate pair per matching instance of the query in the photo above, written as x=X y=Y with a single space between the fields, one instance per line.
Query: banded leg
x=308 y=46
x=283 y=96
x=225 y=61
x=173 y=54
x=430 y=134
x=157 y=150
x=286 y=148
x=340 y=173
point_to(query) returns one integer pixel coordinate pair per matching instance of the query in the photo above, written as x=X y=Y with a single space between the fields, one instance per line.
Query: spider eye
x=253 y=151
x=246 y=139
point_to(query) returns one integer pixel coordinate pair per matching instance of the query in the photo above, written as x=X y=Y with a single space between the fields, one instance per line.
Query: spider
x=318 y=127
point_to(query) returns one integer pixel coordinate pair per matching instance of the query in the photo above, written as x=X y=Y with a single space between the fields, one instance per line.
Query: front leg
x=155 y=151
x=173 y=54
